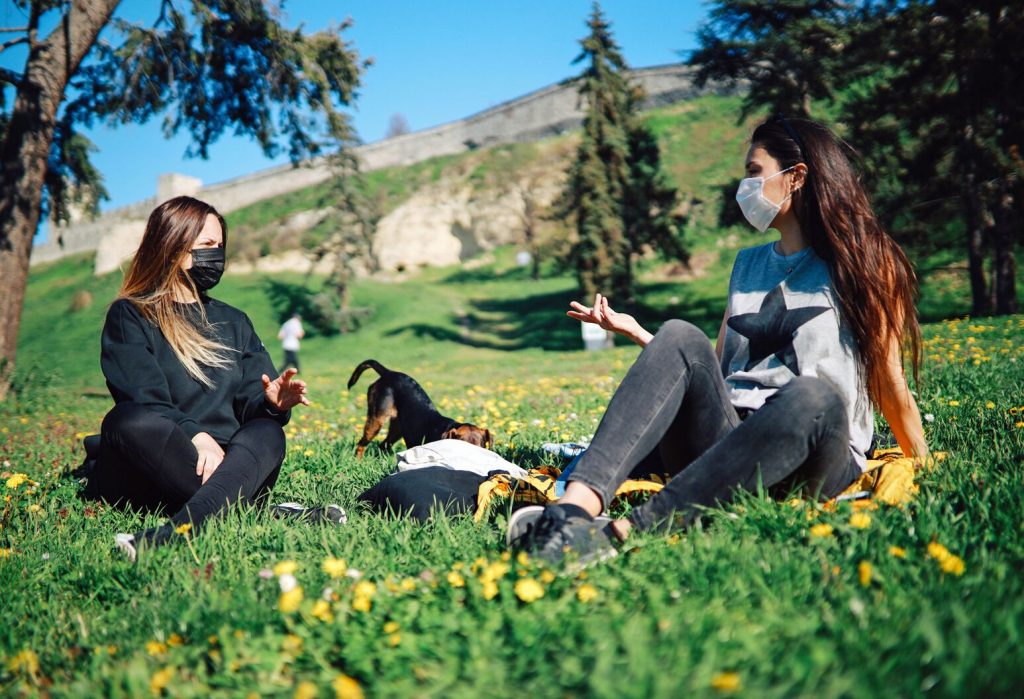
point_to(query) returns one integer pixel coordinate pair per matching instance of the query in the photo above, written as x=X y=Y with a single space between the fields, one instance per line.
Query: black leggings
x=675 y=400
x=148 y=462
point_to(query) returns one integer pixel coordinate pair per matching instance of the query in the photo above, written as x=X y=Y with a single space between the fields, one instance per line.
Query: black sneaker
x=131 y=544
x=559 y=534
x=328 y=514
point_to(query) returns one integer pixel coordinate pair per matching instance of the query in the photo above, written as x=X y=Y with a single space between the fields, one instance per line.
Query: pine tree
x=620 y=199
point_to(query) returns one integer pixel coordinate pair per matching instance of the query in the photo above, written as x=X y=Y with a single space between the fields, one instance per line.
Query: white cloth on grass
x=456 y=455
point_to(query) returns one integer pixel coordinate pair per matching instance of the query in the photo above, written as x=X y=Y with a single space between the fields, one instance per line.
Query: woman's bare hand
x=601 y=314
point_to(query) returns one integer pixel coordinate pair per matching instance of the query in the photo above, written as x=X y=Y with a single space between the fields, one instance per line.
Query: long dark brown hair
x=155 y=275
x=873 y=280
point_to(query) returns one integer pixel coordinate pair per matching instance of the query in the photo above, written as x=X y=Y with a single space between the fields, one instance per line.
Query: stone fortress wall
x=545 y=112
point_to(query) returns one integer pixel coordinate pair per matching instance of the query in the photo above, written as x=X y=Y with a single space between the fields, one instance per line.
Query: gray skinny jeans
x=674 y=399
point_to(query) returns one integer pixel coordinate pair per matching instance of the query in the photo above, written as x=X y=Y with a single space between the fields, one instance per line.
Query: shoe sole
x=125 y=543
x=515 y=522
x=576 y=567
x=330 y=514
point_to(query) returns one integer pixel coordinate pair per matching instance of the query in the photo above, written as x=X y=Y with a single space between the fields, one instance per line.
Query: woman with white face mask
x=811 y=342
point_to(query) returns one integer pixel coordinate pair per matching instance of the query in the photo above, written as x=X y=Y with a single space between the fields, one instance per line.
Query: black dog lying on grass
x=398 y=397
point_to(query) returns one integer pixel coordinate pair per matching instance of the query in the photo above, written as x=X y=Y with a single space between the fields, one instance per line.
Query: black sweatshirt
x=140 y=366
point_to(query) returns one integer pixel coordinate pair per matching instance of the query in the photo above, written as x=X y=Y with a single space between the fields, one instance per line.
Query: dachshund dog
x=398 y=397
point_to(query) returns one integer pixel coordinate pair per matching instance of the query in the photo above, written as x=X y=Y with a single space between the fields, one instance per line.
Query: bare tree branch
x=13 y=42
x=9 y=76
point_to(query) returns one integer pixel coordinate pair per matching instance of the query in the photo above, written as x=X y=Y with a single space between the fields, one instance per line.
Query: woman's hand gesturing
x=283 y=393
x=602 y=314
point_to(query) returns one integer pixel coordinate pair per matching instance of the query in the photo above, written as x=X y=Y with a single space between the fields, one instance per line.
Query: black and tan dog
x=397 y=396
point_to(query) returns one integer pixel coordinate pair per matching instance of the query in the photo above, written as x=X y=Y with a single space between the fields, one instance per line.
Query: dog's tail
x=368 y=364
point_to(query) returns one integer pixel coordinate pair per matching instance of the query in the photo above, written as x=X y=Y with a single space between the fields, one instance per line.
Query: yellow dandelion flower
x=456 y=580
x=306 y=690
x=529 y=590
x=335 y=567
x=346 y=687
x=174 y=640
x=547 y=577
x=391 y=627
x=289 y=601
x=937 y=550
x=523 y=559
x=407 y=585
x=864 y=573
x=364 y=588
x=160 y=679
x=898 y=551
x=285 y=568
x=156 y=647
x=494 y=572
x=35 y=508
x=952 y=564
x=1018 y=424
x=14 y=481
x=860 y=520
x=394 y=639
x=489 y=590
x=586 y=593
x=821 y=530
x=25 y=662
x=183 y=529
x=726 y=682
x=322 y=611
x=990 y=405
x=954 y=403
x=362 y=603
x=6 y=553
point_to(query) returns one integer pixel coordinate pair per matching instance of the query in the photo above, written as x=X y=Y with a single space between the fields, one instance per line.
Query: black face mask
x=207 y=267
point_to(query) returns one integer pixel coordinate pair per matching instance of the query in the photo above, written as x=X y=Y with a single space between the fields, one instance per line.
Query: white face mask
x=758 y=209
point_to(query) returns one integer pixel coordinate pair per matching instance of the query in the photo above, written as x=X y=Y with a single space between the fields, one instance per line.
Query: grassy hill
x=924 y=598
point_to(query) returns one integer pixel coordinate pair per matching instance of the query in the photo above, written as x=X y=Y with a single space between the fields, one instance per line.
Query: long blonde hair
x=156 y=273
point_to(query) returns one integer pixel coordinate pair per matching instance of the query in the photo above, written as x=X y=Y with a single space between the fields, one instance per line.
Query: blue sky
x=434 y=61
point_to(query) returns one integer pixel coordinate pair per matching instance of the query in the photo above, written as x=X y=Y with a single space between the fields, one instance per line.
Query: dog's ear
x=488 y=442
x=453 y=433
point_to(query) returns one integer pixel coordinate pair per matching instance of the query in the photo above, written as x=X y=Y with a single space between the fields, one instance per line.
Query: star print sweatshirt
x=784 y=321
x=140 y=366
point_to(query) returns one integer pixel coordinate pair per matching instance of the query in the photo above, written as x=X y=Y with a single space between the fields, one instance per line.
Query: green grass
x=749 y=592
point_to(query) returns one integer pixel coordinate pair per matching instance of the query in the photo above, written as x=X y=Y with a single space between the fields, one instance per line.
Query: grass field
x=927 y=599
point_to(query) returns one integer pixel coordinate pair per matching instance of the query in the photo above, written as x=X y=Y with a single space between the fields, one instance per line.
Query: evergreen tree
x=785 y=51
x=616 y=191
x=934 y=109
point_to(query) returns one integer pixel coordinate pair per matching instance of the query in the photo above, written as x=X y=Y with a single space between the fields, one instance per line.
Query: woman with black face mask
x=199 y=409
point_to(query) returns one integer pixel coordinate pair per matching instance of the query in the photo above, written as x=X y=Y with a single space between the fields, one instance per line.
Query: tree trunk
x=1004 y=266
x=24 y=153
x=973 y=215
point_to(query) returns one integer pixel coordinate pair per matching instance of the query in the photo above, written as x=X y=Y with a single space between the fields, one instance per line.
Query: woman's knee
x=263 y=436
x=684 y=336
x=127 y=420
